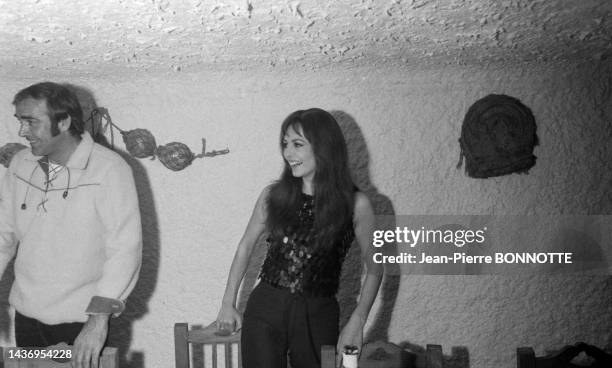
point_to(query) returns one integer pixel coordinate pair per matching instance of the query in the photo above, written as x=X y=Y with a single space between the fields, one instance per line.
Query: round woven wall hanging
x=498 y=136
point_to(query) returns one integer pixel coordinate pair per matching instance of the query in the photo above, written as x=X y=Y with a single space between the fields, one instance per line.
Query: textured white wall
x=402 y=126
x=113 y=36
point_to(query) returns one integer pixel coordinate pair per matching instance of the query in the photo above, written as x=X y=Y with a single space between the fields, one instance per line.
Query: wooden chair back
x=223 y=349
x=376 y=354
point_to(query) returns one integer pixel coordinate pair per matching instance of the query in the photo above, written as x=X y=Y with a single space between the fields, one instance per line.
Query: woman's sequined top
x=292 y=262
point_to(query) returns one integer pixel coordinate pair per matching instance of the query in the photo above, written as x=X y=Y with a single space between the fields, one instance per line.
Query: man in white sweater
x=69 y=210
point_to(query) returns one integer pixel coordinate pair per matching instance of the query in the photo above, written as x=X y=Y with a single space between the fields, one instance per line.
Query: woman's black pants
x=278 y=323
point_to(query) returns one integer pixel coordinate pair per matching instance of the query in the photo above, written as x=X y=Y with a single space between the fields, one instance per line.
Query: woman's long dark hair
x=332 y=183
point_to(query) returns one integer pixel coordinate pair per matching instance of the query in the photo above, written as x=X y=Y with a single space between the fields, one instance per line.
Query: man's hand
x=89 y=343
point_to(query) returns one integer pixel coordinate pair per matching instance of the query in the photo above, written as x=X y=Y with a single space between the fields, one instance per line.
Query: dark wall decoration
x=498 y=136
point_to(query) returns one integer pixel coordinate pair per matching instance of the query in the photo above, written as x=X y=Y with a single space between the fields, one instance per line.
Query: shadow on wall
x=120 y=334
x=350 y=282
x=6 y=320
x=586 y=246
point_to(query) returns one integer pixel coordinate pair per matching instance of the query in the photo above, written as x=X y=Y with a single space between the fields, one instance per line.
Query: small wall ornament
x=8 y=151
x=141 y=143
x=177 y=156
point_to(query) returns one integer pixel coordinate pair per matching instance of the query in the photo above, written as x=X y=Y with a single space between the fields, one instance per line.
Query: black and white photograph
x=306 y=183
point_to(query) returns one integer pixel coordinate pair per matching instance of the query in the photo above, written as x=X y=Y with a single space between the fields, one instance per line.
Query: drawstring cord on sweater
x=23 y=205
x=64 y=195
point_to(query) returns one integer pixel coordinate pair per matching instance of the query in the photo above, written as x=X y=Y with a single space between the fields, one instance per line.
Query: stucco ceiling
x=84 y=36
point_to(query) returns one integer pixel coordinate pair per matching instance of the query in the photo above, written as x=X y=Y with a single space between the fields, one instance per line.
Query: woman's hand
x=352 y=334
x=229 y=319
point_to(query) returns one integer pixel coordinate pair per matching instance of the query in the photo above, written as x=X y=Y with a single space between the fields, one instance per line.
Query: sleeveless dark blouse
x=293 y=263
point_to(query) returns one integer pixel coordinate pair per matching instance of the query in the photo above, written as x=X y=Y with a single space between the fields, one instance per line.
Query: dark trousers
x=278 y=323
x=30 y=332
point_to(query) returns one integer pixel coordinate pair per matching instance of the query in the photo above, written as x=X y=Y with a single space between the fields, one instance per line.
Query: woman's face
x=297 y=151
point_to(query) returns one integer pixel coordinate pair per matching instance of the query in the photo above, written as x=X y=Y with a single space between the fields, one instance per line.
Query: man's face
x=36 y=127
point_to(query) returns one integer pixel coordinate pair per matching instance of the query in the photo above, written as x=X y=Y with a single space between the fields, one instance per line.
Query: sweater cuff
x=102 y=305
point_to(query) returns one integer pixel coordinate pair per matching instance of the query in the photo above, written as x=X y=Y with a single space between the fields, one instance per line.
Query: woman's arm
x=352 y=333
x=228 y=318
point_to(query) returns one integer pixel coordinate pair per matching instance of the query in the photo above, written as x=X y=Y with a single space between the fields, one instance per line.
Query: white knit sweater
x=70 y=248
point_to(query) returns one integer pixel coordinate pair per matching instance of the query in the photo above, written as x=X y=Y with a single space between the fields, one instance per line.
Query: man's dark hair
x=61 y=104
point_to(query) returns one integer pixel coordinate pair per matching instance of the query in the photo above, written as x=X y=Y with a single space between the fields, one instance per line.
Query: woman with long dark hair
x=311 y=215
